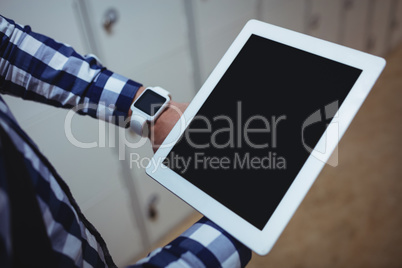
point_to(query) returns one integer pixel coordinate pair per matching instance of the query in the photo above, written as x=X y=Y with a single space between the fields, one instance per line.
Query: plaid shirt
x=35 y=67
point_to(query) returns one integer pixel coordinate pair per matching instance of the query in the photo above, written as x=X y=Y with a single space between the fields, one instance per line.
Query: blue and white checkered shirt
x=35 y=67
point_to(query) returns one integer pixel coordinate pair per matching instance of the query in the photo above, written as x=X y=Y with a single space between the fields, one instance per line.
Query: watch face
x=150 y=102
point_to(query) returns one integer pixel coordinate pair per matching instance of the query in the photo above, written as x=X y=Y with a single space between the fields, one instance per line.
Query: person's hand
x=165 y=122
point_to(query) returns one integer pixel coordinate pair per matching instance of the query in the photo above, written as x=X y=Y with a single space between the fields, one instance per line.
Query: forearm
x=35 y=67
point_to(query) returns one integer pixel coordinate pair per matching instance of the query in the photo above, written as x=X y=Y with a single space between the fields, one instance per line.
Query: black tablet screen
x=250 y=137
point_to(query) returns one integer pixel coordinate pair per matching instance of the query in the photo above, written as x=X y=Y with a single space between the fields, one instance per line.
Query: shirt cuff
x=114 y=95
x=203 y=245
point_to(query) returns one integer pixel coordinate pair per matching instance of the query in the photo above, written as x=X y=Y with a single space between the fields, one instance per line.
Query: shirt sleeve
x=36 y=67
x=203 y=245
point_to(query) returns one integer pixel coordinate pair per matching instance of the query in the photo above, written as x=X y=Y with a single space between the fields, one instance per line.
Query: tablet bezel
x=261 y=241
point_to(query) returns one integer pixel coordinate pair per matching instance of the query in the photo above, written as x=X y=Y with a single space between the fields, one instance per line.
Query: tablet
x=257 y=134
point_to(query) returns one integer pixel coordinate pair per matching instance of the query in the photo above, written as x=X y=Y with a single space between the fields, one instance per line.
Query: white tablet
x=261 y=128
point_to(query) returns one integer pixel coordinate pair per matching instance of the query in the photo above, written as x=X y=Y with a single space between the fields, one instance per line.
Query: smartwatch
x=147 y=108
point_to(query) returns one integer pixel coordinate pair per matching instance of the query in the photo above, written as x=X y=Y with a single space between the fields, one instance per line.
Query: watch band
x=138 y=123
x=161 y=91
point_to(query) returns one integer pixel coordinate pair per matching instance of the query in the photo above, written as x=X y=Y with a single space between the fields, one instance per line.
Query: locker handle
x=110 y=18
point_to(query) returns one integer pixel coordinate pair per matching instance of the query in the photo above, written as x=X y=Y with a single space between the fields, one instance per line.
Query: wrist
x=161 y=127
